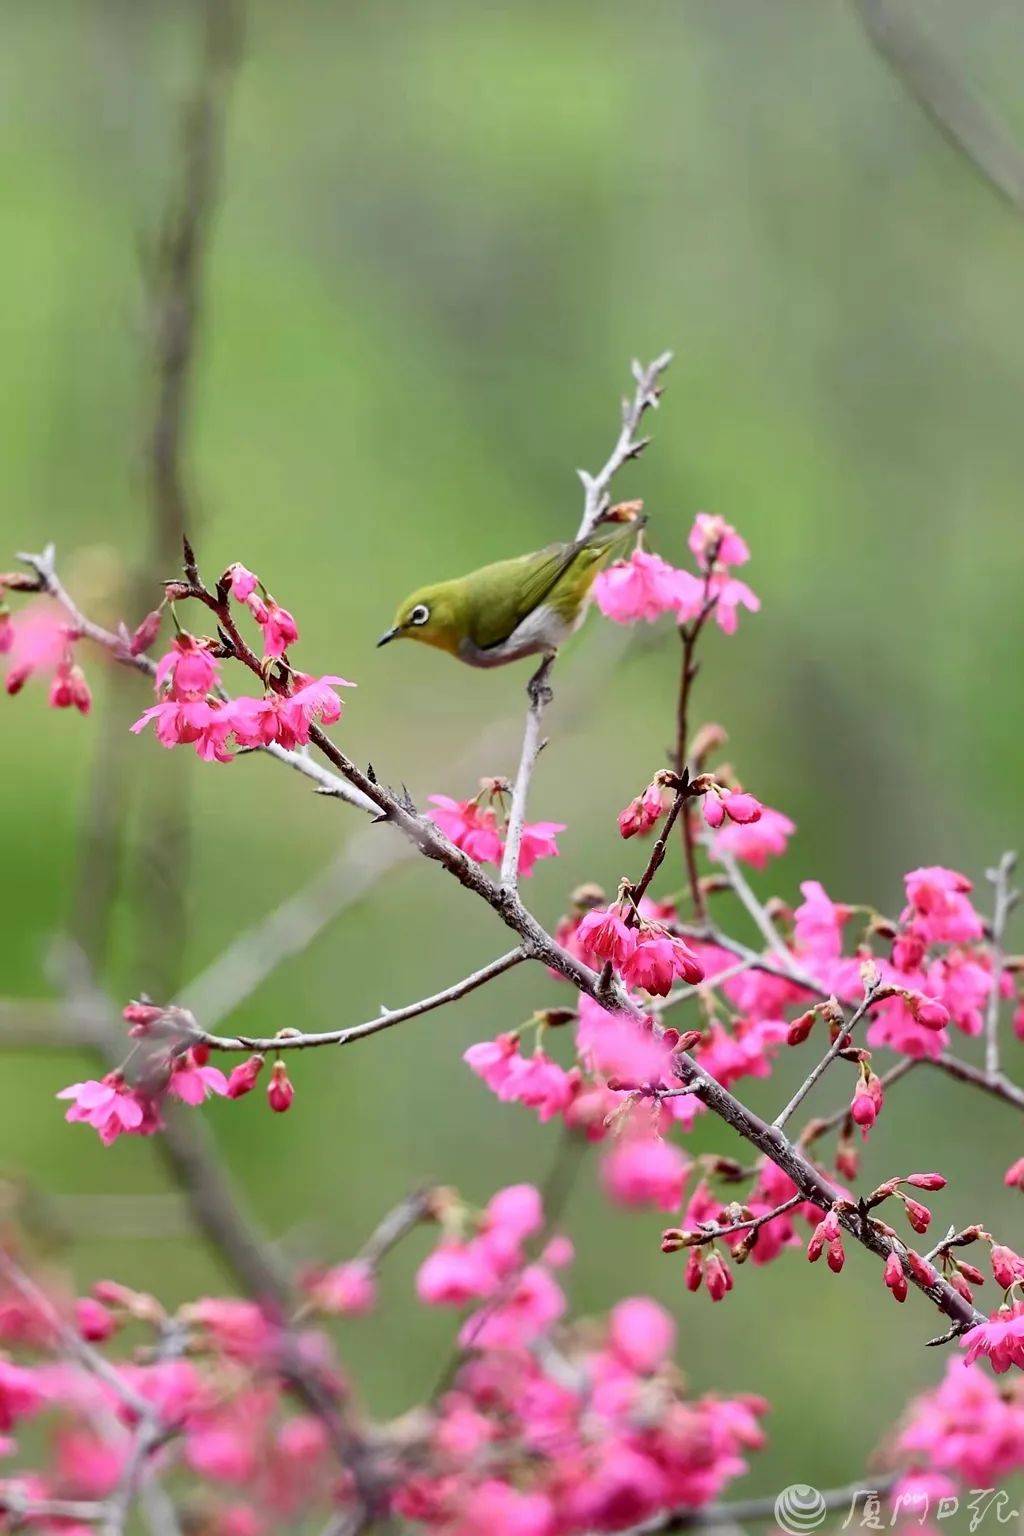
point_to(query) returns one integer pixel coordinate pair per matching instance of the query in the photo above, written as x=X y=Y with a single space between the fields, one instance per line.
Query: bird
x=515 y=608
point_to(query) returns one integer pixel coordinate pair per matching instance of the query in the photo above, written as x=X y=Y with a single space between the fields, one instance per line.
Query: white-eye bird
x=515 y=608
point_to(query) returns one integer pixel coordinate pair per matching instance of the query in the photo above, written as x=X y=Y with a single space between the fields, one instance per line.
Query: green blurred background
x=445 y=229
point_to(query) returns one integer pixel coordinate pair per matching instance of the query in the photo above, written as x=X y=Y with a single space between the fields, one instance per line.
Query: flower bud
x=927 y=1011
x=894 y=1277
x=674 y=1238
x=921 y=1269
x=925 y=1180
x=741 y=807
x=918 y=1215
x=971 y=1272
x=714 y=810
x=688 y=1039
x=717 y=1276
x=694 y=1272
x=280 y=1091
x=146 y=633
x=1006 y=1266
x=801 y=1027
x=961 y=1287
x=243 y=1077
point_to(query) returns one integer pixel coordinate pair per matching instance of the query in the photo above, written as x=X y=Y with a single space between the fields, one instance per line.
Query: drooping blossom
x=657 y=959
x=35 y=641
x=243 y=1077
x=469 y=826
x=755 y=842
x=1001 y=1338
x=347 y=1290
x=641 y=588
x=187 y=670
x=110 y=1106
x=938 y=906
x=534 y=1302
x=712 y=538
x=279 y=627
x=242 y=583
x=643 y=813
x=645 y=1170
x=641 y=1333
x=538 y=840
x=604 y=935
x=69 y=689
x=192 y=1081
x=280 y=1090
x=968 y=1425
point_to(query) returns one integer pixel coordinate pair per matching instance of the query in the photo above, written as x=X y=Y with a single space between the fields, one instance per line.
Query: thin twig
x=628 y=445
x=842 y=1038
x=540 y=696
x=386 y=1019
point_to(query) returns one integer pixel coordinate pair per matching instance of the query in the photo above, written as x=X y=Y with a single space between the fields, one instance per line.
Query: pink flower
x=501 y=1510
x=938 y=906
x=742 y=808
x=473 y=830
x=92 y=1319
x=657 y=960
x=535 y=1302
x=39 y=641
x=280 y=1091
x=192 y=1083
x=619 y=1047
x=69 y=689
x=491 y=1060
x=1014 y=1175
x=242 y=582
x=287 y=718
x=962 y=983
x=603 y=935
x=454 y=1274
x=539 y=1083
x=642 y=587
x=642 y=1334
x=6 y=631
x=643 y=813
x=241 y=1330
x=188 y=668
x=645 y=1171
x=712 y=537
x=243 y=1077
x=109 y=1106
x=538 y=841
x=1001 y=1339
x=819 y=921
x=347 y=1290
x=758 y=841
x=206 y=725
x=968 y=1426
x=21 y=1394
x=517 y=1210
x=279 y=628
x=731 y=595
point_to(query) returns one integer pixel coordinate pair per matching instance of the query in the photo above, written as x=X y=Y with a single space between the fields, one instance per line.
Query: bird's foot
x=538 y=689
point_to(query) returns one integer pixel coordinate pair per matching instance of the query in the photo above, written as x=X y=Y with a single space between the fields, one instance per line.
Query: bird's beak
x=389 y=634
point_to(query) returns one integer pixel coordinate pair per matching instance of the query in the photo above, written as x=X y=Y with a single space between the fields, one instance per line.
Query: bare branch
x=628 y=445
x=540 y=697
x=742 y=1511
x=294 y=1041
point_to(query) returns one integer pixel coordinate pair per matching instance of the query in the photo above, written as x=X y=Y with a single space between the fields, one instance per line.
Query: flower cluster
x=645 y=586
x=478 y=827
x=590 y=1433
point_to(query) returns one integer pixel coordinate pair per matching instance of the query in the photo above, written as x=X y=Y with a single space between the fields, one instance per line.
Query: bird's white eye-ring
x=420 y=614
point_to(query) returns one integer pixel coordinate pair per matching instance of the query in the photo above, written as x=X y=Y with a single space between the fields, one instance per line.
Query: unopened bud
x=280 y=1091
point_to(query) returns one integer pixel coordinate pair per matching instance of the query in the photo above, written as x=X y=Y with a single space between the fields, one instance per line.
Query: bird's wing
x=512 y=589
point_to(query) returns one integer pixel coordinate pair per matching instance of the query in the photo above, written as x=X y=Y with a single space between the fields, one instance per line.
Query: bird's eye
x=420 y=614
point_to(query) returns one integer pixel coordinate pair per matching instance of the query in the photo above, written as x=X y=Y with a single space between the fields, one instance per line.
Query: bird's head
x=432 y=615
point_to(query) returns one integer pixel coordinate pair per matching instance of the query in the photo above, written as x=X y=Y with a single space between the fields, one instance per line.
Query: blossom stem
x=1005 y=897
